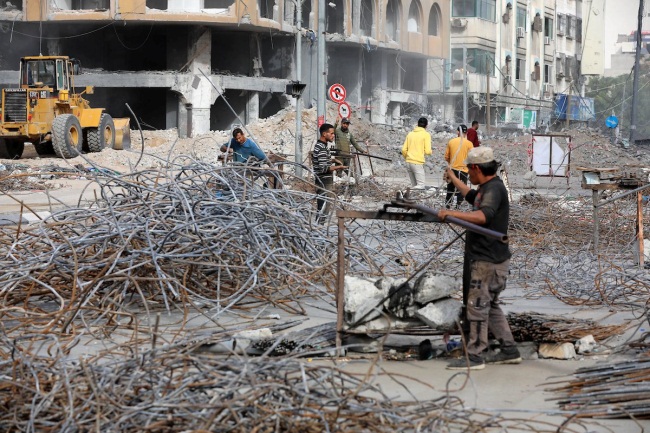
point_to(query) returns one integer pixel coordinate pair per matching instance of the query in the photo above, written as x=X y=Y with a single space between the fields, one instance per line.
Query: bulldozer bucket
x=122 y=133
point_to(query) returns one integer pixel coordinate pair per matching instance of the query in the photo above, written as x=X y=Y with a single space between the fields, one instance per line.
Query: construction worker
x=489 y=261
x=343 y=138
x=416 y=146
x=243 y=148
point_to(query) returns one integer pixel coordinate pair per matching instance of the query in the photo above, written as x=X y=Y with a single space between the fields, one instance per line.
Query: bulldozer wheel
x=44 y=149
x=67 y=137
x=11 y=149
x=103 y=136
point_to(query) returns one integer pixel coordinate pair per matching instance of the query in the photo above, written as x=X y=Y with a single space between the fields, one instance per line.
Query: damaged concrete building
x=155 y=54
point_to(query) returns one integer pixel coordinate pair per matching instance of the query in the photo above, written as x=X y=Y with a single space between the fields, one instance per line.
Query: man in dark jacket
x=489 y=260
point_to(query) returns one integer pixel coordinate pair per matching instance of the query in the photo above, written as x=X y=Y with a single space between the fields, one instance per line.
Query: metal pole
x=639 y=227
x=465 y=85
x=298 y=146
x=340 y=283
x=594 y=198
x=635 y=85
x=487 y=95
x=321 y=78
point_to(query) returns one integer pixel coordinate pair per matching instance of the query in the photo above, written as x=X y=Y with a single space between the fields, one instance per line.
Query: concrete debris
x=431 y=287
x=361 y=296
x=387 y=322
x=442 y=315
x=362 y=344
x=585 y=345
x=557 y=350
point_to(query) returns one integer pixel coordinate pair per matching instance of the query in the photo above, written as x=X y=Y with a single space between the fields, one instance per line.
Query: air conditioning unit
x=457 y=75
x=547 y=88
x=507 y=80
x=547 y=40
x=459 y=23
x=520 y=32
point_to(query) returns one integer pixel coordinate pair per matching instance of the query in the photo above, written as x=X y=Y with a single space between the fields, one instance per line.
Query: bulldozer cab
x=52 y=72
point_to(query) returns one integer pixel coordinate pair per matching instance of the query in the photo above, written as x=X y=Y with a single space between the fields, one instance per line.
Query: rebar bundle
x=614 y=390
x=557 y=329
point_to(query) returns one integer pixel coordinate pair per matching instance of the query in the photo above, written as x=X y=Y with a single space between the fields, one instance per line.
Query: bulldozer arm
x=122 y=133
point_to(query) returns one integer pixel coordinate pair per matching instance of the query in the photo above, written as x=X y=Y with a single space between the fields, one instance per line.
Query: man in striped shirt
x=321 y=160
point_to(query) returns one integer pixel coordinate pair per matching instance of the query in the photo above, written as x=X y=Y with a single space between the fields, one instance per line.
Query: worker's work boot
x=507 y=355
x=471 y=362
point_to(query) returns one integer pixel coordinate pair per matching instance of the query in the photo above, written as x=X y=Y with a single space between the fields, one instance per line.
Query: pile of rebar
x=613 y=390
x=172 y=390
x=557 y=329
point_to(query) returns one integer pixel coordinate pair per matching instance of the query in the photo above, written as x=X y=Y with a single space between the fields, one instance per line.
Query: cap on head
x=462 y=128
x=480 y=155
x=423 y=122
x=345 y=120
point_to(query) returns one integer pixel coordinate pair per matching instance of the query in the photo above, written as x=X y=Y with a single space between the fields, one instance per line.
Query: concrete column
x=356 y=16
x=253 y=103
x=201 y=93
x=379 y=93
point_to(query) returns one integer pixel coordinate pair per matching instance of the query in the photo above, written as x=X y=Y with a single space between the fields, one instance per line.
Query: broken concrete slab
x=557 y=350
x=402 y=300
x=441 y=315
x=431 y=287
x=386 y=322
x=362 y=299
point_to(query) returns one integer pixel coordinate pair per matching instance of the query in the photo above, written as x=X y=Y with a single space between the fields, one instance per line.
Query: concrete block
x=441 y=315
x=557 y=350
x=361 y=296
x=402 y=300
x=431 y=287
x=388 y=322
x=586 y=344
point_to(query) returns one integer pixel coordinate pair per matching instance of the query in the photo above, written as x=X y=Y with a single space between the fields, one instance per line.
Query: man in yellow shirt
x=455 y=155
x=416 y=146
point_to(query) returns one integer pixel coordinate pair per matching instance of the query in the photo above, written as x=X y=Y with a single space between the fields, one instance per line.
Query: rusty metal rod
x=462 y=223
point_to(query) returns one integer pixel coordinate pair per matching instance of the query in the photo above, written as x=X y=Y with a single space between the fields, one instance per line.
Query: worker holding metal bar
x=489 y=261
x=344 y=139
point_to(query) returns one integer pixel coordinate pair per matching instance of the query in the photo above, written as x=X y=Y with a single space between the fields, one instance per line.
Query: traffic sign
x=344 y=109
x=611 y=122
x=337 y=93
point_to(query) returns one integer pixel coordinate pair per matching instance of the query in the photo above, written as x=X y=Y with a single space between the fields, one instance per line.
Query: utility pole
x=465 y=85
x=635 y=85
x=488 y=75
x=298 y=145
x=320 y=88
x=567 y=105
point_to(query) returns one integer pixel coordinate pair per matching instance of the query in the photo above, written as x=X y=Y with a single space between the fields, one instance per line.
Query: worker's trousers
x=324 y=196
x=416 y=174
x=483 y=310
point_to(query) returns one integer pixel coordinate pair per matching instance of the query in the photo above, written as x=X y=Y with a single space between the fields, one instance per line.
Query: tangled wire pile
x=171 y=390
x=553 y=252
x=195 y=233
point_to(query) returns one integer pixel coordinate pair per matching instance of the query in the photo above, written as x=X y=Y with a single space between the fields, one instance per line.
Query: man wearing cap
x=343 y=138
x=455 y=155
x=488 y=259
x=416 y=146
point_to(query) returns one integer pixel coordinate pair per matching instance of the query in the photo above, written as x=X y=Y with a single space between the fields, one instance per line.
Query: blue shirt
x=241 y=152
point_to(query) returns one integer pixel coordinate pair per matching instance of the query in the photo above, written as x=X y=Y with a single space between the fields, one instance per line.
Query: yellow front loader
x=46 y=111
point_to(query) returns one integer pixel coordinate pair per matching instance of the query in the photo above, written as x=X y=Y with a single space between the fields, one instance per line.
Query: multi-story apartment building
x=519 y=56
x=156 y=54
